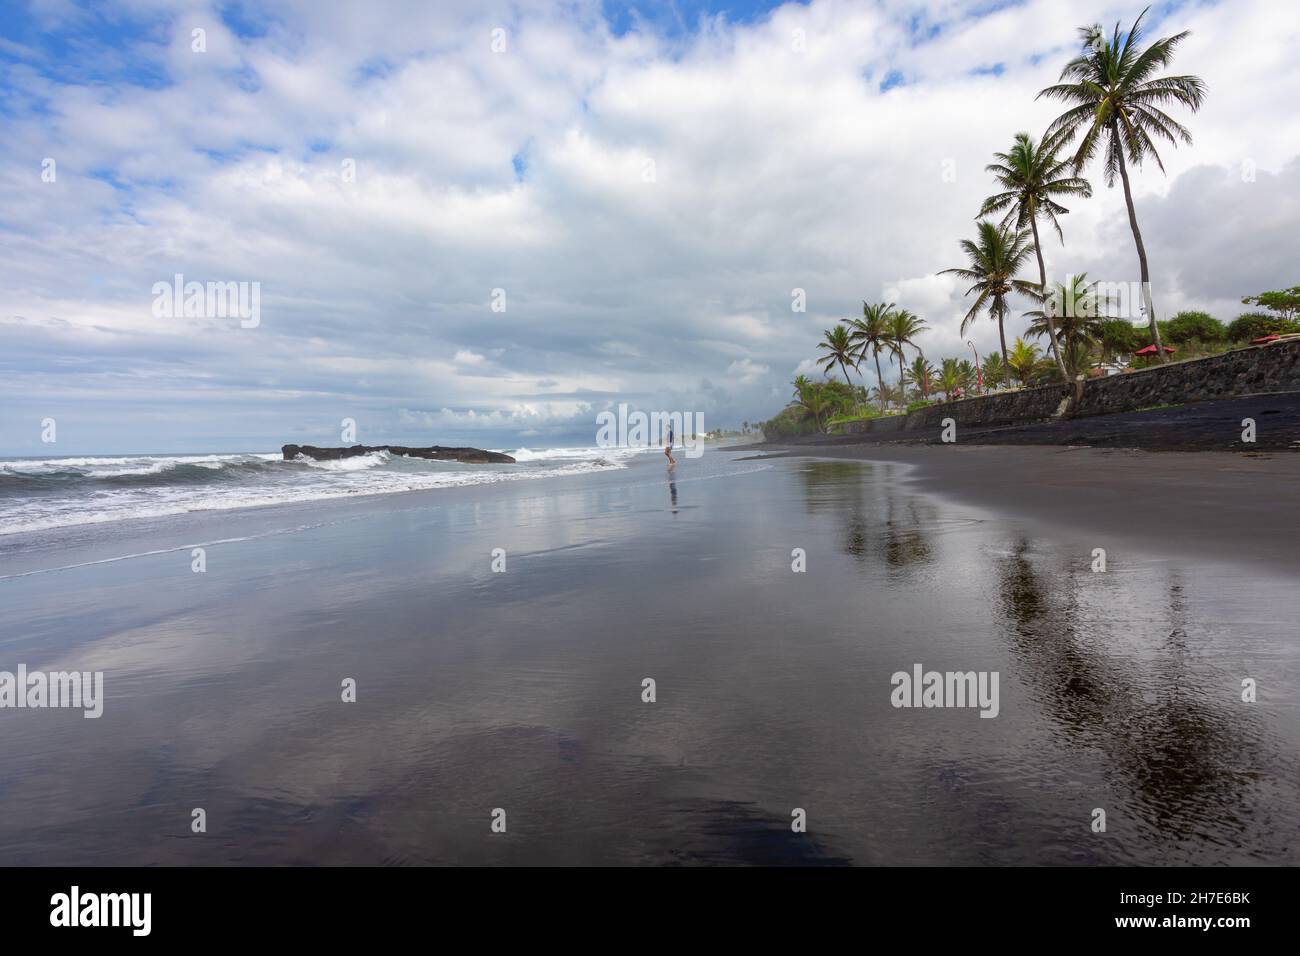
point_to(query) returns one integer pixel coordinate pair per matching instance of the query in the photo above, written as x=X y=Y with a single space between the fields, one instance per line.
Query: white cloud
x=772 y=170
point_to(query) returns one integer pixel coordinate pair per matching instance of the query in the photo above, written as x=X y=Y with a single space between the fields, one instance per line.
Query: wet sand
x=523 y=690
x=1235 y=506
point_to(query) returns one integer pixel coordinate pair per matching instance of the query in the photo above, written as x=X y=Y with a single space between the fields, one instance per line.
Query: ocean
x=38 y=494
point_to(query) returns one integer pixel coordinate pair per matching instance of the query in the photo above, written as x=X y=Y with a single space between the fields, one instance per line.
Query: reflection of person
x=672 y=490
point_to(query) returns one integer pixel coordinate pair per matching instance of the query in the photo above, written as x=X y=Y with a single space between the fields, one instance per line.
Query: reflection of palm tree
x=1178 y=757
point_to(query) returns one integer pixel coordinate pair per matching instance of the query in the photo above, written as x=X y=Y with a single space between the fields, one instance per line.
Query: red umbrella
x=1151 y=350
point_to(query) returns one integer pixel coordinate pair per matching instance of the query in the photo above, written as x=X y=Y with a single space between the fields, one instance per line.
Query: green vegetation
x=1285 y=303
x=1186 y=326
x=1117 y=101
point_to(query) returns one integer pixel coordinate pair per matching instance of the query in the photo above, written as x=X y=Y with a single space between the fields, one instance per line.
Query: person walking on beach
x=668 y=449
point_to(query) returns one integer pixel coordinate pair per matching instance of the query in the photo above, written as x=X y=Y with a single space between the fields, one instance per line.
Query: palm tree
x=1022 y=360
x=995 y=370
x=808 y=395
x=870 y=333
x=995 y=258
x=920 y=375
x=967 y=376
x=902 y=328
x=839 y=347
x=950 y=377
x=1117 y=107
x=1072 y=311
x=1031 y=175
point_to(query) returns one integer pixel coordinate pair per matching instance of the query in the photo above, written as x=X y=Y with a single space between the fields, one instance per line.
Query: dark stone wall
x=1260 y=368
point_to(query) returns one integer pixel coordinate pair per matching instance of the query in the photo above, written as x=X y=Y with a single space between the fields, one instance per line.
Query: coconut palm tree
x=995 y=257
x=920 y=375
x=1023 y=360
x=1118 y=107
x=967 y=376
x=1031 y=175
x=808 y=395
x=839 y=347
x=1072 y=312
x=995 y=370
x=870 y=333
x=901 y=330
x=949 y=380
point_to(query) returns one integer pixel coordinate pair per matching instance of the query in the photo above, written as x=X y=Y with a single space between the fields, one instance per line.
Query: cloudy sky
x=646 y=182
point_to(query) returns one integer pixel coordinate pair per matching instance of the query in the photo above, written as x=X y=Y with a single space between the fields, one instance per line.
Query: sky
x=483 y=223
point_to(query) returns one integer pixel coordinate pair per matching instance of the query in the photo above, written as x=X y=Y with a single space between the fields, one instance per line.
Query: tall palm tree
x=1073 y=312
x=1022 y=360
x=870 y=333
x=1118 y=106
x=839 y=347
x=1030 y=175
x=995 y=258
x=901 y=330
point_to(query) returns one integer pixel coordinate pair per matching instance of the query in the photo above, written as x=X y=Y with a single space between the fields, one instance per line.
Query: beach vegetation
x=1284 y=303
x=1200 y=326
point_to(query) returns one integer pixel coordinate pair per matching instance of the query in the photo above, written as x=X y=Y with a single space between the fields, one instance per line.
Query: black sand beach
x=523 y=690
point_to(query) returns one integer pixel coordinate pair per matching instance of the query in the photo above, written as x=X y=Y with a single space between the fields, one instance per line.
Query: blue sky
x=646 y=184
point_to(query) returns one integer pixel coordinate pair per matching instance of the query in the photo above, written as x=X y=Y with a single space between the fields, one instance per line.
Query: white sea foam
x=62 y=492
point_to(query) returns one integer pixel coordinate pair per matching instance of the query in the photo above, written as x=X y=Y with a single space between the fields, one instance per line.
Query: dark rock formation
x=472 y=456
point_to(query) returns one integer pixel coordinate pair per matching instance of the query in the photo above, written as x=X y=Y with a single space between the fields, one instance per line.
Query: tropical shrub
x=1252 y=325
x=1186 y=326
x=790 y=421
x=1118 y=337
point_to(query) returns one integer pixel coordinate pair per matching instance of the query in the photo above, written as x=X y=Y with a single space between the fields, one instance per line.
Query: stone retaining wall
x=1248 y=371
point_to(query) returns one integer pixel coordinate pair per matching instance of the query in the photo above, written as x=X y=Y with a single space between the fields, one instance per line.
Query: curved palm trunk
x=880 y=381
x=1047 y=314
x=1142 y=257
